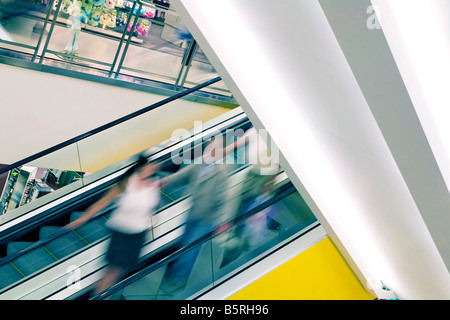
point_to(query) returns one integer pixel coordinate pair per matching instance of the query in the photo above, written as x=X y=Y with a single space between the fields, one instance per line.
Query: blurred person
x=253 y=231
x=257 y=187
x=77 y=17
x=264 y=166
x=184 y=36
x=137 y=195
x=208 y=183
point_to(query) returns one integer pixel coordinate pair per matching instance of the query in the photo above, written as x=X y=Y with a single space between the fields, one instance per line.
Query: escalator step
x=46 y=232
x=49 y=252
x=175 y=192
x=15 y=246
x=92 y=231
x=75 y=215
x=164 y=201
x=9 y=275
x=31 y=261
x=64 y=245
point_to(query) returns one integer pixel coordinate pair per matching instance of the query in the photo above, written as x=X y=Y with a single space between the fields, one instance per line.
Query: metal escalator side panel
x=166 y=230
x=20 y=217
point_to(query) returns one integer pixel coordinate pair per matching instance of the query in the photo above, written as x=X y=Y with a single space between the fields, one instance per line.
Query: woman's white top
x=135 y=207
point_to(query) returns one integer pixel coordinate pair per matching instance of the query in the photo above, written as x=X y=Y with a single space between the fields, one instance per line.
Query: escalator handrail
x=164 y=152
x=281 y=193
x=64 y=231
x=107 y=125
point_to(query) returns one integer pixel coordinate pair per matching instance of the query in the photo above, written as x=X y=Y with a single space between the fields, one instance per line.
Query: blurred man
x=257 y=187
x=208 y=186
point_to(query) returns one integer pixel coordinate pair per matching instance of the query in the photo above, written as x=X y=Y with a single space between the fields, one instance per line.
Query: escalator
x=41 y=269
x=41 y=260
x=264 y=234
x=33 y=249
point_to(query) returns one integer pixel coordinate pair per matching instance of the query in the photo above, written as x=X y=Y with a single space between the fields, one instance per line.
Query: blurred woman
x=137 y=195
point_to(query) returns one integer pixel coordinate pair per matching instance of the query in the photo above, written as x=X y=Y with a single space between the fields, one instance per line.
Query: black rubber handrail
x=61 y=232
x=108 y=125
x=283 y=192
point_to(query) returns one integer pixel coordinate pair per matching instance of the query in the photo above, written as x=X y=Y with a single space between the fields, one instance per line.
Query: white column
x=285 y=67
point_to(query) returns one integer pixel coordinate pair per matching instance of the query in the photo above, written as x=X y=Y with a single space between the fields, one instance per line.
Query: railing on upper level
x=137 y=41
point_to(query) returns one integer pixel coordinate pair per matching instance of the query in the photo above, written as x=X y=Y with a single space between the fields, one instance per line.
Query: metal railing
x=119 y=40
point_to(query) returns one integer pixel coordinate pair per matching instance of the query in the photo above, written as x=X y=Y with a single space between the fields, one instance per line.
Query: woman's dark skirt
x=124 y=249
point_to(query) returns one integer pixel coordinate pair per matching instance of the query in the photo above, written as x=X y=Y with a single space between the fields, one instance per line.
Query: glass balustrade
x=46 y=251
x=38 y=182
x=217 y=257
x=93 y=157
x=137 y=41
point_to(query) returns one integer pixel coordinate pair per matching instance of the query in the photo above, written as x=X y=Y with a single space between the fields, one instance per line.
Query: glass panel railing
x=216 y=256
x=35 y=183
x=166 y=44
x=198 y=70
x=156 y=58
x=27 y=258
x=75 y=33
x=139 y=41
x=30 y=256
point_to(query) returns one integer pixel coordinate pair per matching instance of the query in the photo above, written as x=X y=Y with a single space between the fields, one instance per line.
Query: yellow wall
x=319 y=273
